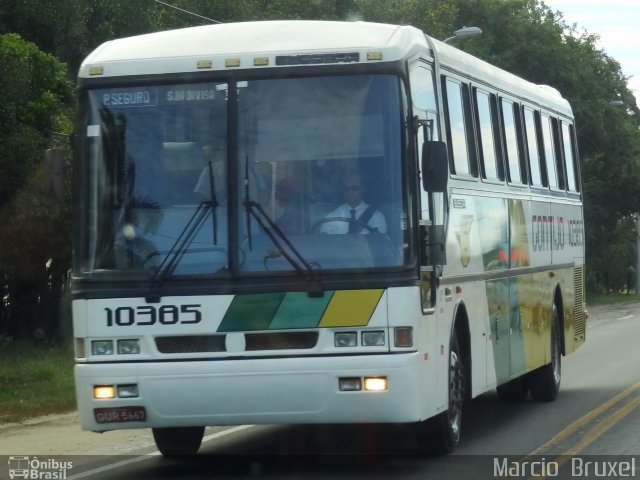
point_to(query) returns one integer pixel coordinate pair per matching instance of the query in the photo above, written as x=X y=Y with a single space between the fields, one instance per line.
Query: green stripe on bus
x=298 y=310
x=251 y=312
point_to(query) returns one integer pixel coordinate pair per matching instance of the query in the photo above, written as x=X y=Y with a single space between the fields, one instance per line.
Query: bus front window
x=322 y=156
x=166 y=196
x=155 y=154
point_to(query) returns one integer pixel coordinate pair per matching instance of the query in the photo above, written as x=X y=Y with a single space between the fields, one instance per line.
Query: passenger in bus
x=359 y=217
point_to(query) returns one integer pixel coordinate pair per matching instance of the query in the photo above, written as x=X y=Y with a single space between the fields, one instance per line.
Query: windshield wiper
x=179 y=247
x=278 y=237
x=188 y=234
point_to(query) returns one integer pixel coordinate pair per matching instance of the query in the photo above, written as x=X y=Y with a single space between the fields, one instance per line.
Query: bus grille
x=191 y=344
x=253 y=342
x=579 y=321
x=281 y=340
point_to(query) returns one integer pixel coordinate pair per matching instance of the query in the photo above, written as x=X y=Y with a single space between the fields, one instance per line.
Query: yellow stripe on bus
x=351 y=308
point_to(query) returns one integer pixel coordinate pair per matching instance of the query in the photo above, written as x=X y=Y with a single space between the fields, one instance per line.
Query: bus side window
x=512 y=149
x=557 y=149
x=549 y=151
x=424 y=99
x=531 y=138
x=491 y=166
x=459 y=127
x=569 y=156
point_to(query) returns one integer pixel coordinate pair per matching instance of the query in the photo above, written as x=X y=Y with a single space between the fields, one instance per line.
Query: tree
x=35 y=100
x=529 y=39
x=34 y=93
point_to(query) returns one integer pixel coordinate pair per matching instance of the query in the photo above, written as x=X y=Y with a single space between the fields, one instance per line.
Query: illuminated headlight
x=128 y=347
x=346 y=339
x=375 y=384
x=102 y=347
x=128 y=391
x=104 y=392
x=373 y=338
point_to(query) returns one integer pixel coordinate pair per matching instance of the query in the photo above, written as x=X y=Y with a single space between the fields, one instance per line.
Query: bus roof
x=180 y=50
x=232 y=46
x=453 y=59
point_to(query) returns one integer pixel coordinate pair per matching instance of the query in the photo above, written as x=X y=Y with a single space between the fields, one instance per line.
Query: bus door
x=432 y=204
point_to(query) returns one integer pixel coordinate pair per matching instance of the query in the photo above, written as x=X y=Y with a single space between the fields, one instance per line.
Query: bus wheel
x=544 y=382
x=515 y=390
x=447 y=426
x=178 y=440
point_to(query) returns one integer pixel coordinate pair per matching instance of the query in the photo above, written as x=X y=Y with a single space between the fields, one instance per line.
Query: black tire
x=513 y=391
x=178 y=440
x=544 y=382
x=446 y=427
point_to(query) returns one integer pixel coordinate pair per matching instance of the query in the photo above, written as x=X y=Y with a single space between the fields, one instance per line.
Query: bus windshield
x=194 y=178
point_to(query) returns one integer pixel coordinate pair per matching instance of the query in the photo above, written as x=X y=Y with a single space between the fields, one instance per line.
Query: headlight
x=375 y=384
x=104 y=392
x=128 y=391
x=350 y=384
x=373 y=338
x=129 y=346
x=346 y=339
x=102 y=347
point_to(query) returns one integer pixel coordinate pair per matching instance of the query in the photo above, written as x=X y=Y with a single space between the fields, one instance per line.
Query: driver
x=359 y=217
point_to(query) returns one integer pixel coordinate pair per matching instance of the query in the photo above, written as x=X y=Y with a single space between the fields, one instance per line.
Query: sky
x=617 y=22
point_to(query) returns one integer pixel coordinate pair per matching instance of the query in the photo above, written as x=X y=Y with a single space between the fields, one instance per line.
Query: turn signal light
x=403 y=336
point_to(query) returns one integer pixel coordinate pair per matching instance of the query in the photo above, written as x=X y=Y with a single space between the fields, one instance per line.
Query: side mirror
x=435 y=166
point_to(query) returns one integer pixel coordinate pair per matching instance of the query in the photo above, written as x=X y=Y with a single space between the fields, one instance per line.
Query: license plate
x=120 y=414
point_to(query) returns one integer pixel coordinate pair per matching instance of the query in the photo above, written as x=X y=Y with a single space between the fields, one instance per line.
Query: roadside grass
x=35 y=380
x=594 y=299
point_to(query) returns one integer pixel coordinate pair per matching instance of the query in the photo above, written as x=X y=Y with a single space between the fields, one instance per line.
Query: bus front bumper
x=249 y=391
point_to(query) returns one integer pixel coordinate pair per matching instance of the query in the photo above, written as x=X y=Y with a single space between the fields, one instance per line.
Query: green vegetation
x=594 y=299
x=35 y=380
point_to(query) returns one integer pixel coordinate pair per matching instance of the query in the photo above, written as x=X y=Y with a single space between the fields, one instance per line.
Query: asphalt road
x=590 y=431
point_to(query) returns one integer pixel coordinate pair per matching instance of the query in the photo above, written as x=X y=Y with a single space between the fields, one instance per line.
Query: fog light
x=102 y=347
x=350 y=384
x=346 y=339
x=128 y=391
x=128 y=346
x=104 y=392
x=375 y=384
x=373 y=338
x=403 y=336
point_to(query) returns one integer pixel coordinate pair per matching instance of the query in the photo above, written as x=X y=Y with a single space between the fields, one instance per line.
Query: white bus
x=317 y=222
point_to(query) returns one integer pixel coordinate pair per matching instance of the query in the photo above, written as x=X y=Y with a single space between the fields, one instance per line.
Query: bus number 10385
x=150 y=315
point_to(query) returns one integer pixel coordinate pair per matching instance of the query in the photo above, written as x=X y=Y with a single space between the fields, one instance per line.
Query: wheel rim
x=456 y=393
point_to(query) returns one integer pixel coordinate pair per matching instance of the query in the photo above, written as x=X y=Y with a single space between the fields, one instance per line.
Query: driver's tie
x=353 y=226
